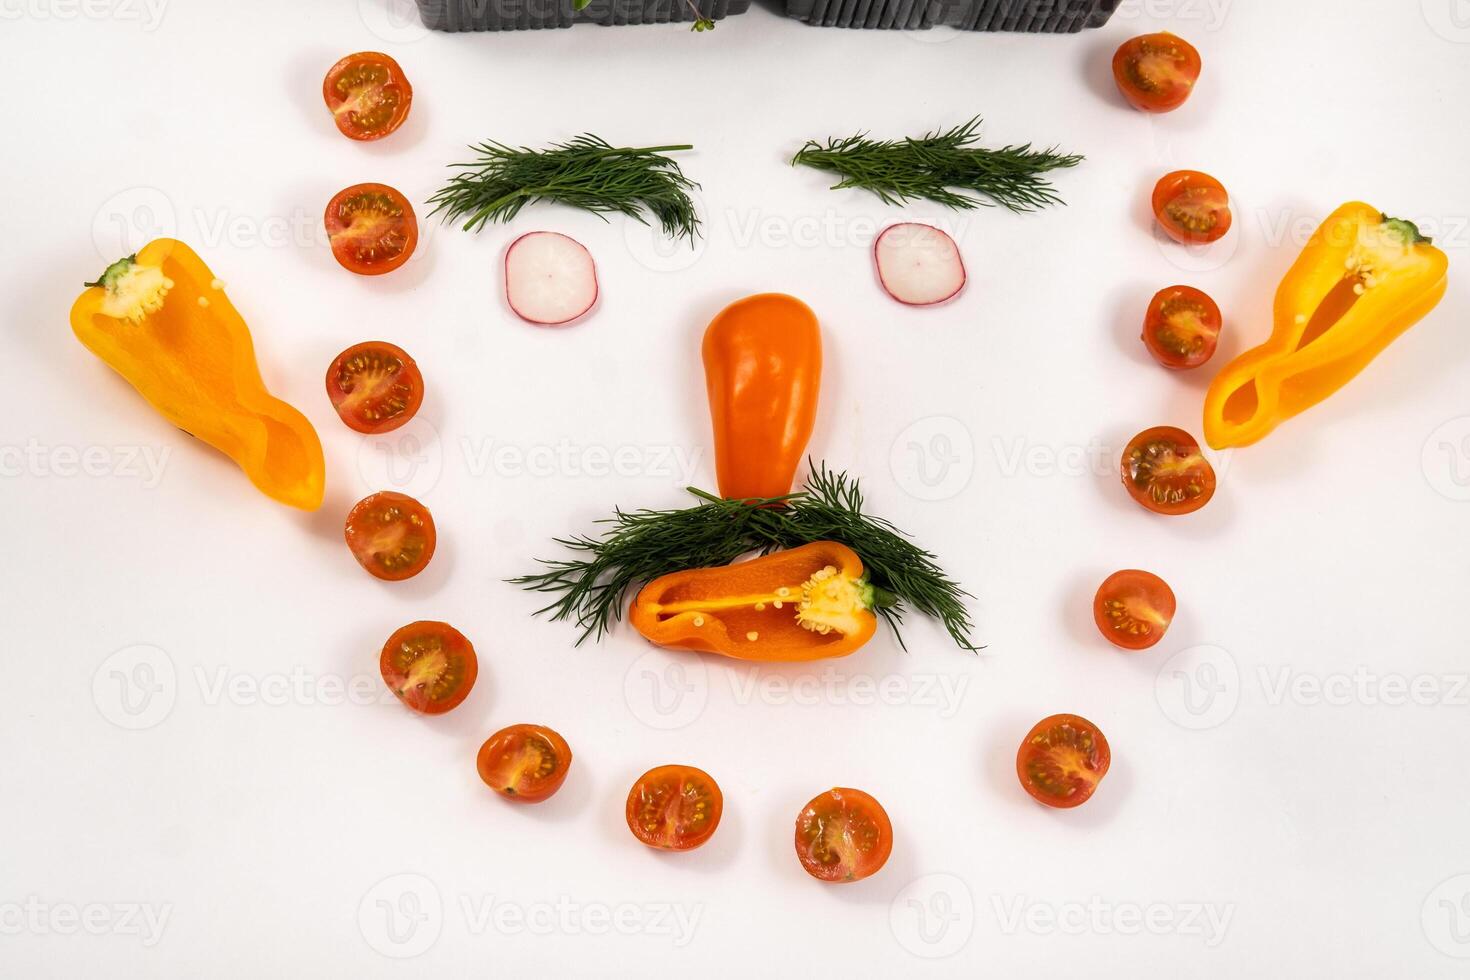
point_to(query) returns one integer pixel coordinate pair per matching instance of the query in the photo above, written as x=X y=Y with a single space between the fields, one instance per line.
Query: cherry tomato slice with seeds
x=368 y=95
x=391 y=535
x=525 y=763
x=1062 y=760
x=843 y=835
x=430 y=666
x=1156 y=72
x=674 y=808
x=375 y=386
x=1165 y=471
x=1191 y=207
x=372 y=228
x=1182 y=327
x=1133 y=608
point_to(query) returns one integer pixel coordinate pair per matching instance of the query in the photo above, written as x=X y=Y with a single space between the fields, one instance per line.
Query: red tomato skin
x=655 y=782
x=396 y=78
x=1154 y=322
x=1156 y=102
x=341 y=250
x=1028 y=752
x=415 y=699
x=538 y=790
x=1180 y=182
x=410 y=375
x=357 y=530
x=1153 y=591
x=1180 y=440
x=847 y=803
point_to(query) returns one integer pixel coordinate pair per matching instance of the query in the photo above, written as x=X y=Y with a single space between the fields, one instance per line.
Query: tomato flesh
x=674 y=808
x=843 y=835
x=391 y=535
x=375 y=386
x=368 y=95
x=1182 y=327
x=1191 y=207
x=525 y=763
x=1062 y=760
x=1133 y=608
x=1156 y=72
x=372 y=228
x=430 y=666
x=1165 y=471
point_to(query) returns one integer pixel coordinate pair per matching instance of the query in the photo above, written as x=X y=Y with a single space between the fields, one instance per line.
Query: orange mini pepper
x=162 y=320
x=763 y=369
x=1363 y=279
x=805 y=603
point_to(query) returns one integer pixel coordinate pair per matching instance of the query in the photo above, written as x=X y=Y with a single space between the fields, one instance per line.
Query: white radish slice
x=549 y=278
x=918 y=264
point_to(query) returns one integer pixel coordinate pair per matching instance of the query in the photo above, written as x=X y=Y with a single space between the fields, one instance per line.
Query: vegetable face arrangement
x=824 y=572
x=162 y=320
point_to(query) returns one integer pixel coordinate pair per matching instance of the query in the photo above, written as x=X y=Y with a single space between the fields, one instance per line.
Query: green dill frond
x=939 y=166
x=638 y=546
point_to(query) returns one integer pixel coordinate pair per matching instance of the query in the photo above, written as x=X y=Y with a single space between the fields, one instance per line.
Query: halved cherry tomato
x=372 y=228
x=368 y=94
x=675 y=808
x=1156 y=72
x=375 y=386
x=843 y=835
x=1062 y=760
x=525 y=763
x=1191 y=207
x=430 y=666
x=391 y=535
x=1133 y=608
x=1181 y=327
x=1165 y=471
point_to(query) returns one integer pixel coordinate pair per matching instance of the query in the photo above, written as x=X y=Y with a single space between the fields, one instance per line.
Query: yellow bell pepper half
x=162 y=320
x=1363 y=279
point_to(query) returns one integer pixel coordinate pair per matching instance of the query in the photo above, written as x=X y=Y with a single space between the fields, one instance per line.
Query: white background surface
x=270 y=817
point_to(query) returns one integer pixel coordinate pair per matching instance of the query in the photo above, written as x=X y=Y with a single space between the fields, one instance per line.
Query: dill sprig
x=586 y=172
x=644 y=544
x=929 y=167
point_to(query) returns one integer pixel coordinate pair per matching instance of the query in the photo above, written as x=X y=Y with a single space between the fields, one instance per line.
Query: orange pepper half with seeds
x=162 y=320
x=1363 y=279
x=804 y=603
